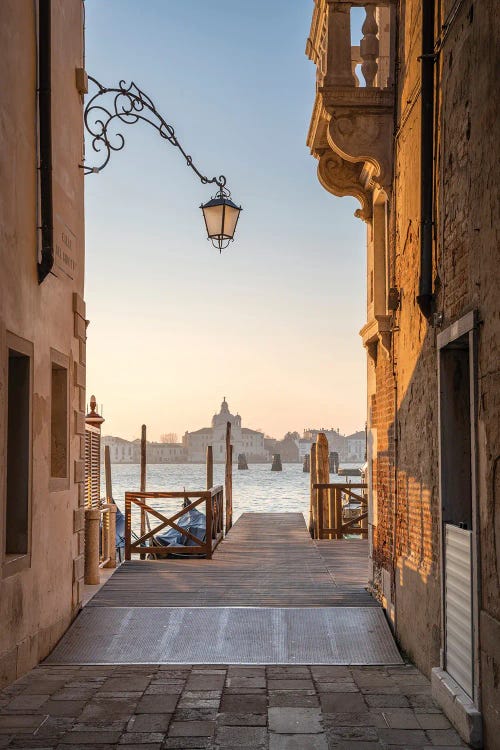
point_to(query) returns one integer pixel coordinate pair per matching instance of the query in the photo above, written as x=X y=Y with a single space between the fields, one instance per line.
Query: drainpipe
x=425 y=297
x=46 y=260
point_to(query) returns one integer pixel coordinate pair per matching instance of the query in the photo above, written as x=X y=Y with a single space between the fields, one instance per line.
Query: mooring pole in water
x=242 y=462
x=229 y=478
x=313 y=521
x=210 y=467
x=107 y=471
x=143 y=480
x=277 y=466
x=334 y=462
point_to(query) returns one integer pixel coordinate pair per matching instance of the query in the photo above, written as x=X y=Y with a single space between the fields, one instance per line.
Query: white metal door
x=458 y=606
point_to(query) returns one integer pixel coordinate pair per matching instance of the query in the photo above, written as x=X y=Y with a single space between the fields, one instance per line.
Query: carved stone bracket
x=351 y=134
x=360 y=128
x=341 y=177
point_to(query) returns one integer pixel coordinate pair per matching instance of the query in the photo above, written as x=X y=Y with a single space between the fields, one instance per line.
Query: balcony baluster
x=369 y=46
x=338 y=51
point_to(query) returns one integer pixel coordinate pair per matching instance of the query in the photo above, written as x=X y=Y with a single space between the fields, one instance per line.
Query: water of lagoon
x=259 y=489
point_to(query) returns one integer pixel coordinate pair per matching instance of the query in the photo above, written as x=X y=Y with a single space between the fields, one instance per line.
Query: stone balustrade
x=352 y=45
x=337 y=59
x=352 y=122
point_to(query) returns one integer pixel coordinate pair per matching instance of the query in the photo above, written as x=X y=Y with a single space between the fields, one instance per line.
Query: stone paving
x=184 y=707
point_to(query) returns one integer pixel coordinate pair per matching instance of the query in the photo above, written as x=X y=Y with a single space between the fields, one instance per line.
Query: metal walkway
x=270 y=595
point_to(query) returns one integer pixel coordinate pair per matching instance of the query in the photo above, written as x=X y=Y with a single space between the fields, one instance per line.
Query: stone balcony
x=352 y=121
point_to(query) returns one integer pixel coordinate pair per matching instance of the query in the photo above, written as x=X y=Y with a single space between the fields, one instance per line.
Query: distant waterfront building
x=356 y=446
x=351 y=448
x=304 y=447
x=129 y=451
x=243 y=440
x=121 y=451
x=165 y=453
x=336 y=442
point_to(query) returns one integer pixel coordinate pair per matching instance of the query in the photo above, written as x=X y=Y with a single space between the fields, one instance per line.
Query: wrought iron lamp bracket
x=128 y=104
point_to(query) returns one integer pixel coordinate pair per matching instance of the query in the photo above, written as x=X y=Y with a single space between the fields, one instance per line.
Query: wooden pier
x=266 y=560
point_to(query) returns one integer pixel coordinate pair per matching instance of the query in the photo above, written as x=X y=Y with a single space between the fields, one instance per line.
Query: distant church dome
x=225 y=416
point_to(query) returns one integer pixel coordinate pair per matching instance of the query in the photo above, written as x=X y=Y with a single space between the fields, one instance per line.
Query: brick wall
x=466 y=273
x=468 y=262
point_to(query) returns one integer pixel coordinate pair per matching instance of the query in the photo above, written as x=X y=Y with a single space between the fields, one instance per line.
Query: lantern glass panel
x=230 y=220
x=213 y=218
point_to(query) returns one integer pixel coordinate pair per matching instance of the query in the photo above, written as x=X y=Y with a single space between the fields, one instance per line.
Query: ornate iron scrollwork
x=128 y=104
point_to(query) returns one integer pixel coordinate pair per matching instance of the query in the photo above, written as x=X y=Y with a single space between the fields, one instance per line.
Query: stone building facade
x=42 y=327
x=336 y=441
x=412 y=135
x=244 y=440
x=123 y=451
x=356 y=447
x=350 y=448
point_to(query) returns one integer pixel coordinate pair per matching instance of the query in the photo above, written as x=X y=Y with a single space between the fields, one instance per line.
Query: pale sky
x=272 y=323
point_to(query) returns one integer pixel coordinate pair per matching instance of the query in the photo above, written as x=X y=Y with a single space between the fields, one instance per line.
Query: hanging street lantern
x=127 y=104
x=221 y=216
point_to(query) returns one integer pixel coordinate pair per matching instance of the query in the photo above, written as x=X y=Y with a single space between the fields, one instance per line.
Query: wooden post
x=210 y=467
x=338 y=513
x=92 y=518
x=323 y=475
x=208 y=535
x=230 y=464
x=143 y=458
x=111 y=512
x=143 y=480
x=313 y=521
x=229 y=478
x=364 y=509
x=332 y=519
x=128 y=526
x=107 y=470
x=319 y=514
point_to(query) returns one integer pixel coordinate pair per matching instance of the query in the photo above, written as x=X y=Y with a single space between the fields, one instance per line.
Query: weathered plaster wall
x=38 y=602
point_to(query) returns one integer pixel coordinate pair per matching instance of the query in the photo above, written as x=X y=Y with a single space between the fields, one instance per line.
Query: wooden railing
x=332 y=516
x=213 y=499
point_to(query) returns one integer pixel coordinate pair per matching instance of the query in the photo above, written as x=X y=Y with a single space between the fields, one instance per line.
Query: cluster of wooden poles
x=325 y=510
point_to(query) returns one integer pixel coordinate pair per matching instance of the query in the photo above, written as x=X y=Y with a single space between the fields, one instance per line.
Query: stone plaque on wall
x=65 y=249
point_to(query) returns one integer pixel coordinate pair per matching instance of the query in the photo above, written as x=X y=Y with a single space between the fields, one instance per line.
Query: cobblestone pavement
x=273 y=707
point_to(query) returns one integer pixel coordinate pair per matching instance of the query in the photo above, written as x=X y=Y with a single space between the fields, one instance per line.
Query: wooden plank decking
x=266 y=560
